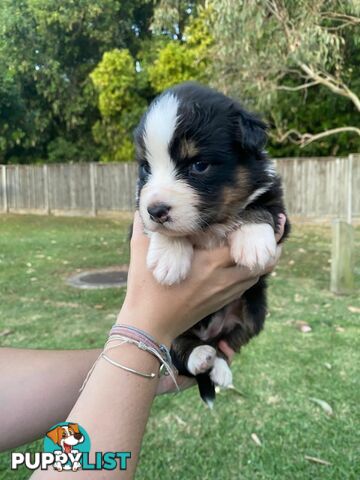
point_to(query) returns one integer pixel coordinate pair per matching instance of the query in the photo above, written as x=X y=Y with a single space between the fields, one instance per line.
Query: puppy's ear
x=54 y=435
x=251 y=131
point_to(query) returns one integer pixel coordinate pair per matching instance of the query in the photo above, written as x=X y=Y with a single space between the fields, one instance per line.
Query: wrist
x=146 y=322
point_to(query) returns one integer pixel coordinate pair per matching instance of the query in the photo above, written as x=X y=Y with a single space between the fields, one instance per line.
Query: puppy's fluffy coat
x=204 y=180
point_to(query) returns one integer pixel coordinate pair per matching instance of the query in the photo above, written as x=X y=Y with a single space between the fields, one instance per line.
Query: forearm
x=114 y=408
x=38 y=388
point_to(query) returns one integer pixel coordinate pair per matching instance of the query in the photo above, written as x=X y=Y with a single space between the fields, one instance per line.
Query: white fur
x=162 y=185
x=270 y=169
x=160 y=125
x=221 y=374
x=253 y=245
x=201 y=359
x=178 y=195
x=256 y=194
x=169 y=258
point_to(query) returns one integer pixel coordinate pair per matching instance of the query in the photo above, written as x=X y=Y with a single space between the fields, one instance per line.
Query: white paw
x=201 y=359
x=253 y=245
x=169 y=259
x=221 y=374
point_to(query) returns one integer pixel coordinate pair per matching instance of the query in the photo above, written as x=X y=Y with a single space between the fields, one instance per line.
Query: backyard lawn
x=268 y=432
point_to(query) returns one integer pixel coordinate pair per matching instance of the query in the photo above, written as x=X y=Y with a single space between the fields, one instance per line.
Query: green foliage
x=260 y=51
x=75 y=77
x=126 y=84
x=120 y=104
x=180 y=61
x=48 y=50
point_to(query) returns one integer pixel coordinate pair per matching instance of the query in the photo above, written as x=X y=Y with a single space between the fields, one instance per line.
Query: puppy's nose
x=159 y=212
x=77 y=436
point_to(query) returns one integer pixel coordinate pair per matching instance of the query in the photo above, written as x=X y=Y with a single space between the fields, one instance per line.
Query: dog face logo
x=66 y=436
x=68 y=443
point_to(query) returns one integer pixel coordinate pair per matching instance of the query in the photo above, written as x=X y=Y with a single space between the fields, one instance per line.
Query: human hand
x=166 y=312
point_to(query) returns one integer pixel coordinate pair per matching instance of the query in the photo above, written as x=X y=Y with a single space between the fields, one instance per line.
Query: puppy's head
x=66 y=436
x=200 y=158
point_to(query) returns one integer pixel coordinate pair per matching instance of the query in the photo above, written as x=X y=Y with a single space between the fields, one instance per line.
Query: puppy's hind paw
x=221 y=374
x=201 y=359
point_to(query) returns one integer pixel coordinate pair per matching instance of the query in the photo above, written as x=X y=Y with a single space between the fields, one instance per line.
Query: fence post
x=349 y=189
x=342 y=275
x=46 y=189
x=93 y=188
x=4 y=188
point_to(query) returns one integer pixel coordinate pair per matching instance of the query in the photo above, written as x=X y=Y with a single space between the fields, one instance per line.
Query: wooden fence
x=314 y=187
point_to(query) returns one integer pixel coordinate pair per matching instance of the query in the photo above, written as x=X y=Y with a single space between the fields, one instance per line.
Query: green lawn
x=278 y=372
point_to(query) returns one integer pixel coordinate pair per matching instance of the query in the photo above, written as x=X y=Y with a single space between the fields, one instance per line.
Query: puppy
x=66 y=437
x=204 y=181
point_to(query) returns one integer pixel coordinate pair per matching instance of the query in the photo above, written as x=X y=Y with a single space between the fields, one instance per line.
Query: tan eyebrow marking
x=188 y=149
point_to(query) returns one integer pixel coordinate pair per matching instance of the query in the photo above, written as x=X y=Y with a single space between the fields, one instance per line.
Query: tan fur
x=235 y=196
x=188 y=149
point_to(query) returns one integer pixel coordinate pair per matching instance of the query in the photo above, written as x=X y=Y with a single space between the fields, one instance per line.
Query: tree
x=178 y=50
x=185 y=58
x=281 y=52
x=48 y=50
x=120 y=104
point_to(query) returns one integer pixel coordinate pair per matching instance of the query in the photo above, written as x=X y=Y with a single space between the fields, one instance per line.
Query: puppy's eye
x=145 y=168
x=199 y=167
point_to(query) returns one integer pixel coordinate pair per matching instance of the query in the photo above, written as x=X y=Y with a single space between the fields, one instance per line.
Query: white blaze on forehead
x=162 y=185
x=159 y=129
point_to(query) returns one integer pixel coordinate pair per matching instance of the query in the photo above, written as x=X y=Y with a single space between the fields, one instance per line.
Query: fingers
x=280 y=233
x=166 y=384
x=217 y=257
x=229 y=352
x=274 y=260
x=138 y=236
x=137 y=225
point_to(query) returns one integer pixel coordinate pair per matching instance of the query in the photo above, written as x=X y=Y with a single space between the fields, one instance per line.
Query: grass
x=278 y=372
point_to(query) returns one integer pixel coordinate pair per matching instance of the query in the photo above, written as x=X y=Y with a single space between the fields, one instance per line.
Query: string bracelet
x=125 y=334
x=144 y=339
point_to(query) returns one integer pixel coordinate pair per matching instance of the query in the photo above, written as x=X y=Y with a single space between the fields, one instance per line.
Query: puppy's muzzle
x=159 y=212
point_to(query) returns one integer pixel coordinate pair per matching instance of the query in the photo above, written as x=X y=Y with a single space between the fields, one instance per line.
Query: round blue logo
x=69 y=441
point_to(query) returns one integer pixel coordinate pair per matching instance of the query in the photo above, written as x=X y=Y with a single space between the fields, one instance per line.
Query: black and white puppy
x=204 y=180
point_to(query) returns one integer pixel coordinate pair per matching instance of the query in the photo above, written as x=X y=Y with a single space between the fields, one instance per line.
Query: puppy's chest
x=214 y=236
x=221 y=323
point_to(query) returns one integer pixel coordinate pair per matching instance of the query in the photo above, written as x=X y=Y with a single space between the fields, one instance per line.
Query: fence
x=314 y=187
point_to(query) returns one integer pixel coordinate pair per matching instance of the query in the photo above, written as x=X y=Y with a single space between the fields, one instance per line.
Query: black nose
x=77 y=436
x=159 y=212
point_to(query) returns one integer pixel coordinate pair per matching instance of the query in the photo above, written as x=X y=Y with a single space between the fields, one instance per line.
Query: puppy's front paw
x=221 y=374
x=201 y=359
x=169 y=259
x=253 y=245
